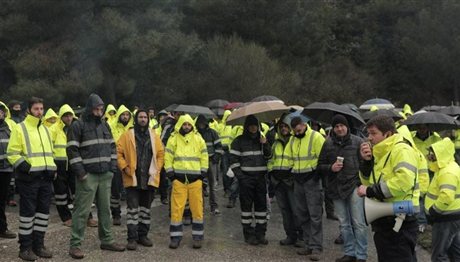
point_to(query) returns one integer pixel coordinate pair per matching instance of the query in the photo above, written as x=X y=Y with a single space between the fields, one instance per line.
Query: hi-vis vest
x=30 y=141
x=304 y=152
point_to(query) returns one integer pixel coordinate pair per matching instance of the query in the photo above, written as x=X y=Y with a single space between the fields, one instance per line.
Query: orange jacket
x=127 y=157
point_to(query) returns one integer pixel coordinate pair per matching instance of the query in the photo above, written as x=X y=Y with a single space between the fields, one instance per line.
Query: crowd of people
x=106 y=154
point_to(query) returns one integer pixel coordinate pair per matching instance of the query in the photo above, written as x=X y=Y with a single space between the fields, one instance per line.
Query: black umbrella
x=266 y=98
x=450 y=110
x=434 y=120
x=387 y=112
x=323 y=112
x=217 y=106
x=194 y=110
x=432 y=108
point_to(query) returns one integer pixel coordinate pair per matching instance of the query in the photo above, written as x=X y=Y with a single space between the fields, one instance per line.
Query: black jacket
x=341 y=184
x=5 y=133
x=211 y=137
x=248 y=155
x=90 y=145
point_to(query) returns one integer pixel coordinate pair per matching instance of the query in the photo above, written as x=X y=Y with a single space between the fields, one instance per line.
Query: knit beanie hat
x=339 y=119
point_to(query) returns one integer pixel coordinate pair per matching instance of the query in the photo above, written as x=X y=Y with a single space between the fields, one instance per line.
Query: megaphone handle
x=398 y=222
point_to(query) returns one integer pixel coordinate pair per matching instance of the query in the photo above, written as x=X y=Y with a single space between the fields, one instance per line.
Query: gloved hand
x=170 y=175
x=24 y=167
x=203 y=175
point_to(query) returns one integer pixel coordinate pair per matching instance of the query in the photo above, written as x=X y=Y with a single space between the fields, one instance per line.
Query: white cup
x=340 y=159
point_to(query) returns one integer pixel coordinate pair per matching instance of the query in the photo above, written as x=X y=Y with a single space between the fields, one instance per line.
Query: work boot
x=132 y=245
x=252 y=240
x=165 y=201
x=196 y=243
x=76 y=253
x=145 y=241
x=113 y=247
x=231 y=203
x=346 y=259
x=315 y=255
x=262 y=240
x=91 y=222
x=116 y=221
x=287 y=241
x=7 y=234
x=304 y=252
x=27 y=255
x=174 y=243
x=43 y=252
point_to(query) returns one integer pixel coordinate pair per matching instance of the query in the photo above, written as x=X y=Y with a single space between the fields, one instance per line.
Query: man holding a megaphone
x=389 y=175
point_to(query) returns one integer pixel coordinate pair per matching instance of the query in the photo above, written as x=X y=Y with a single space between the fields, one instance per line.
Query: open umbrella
x=434 y=120
x=323 y=112
x=266 y=98
x=233 y=105
x=264 y=111
x=194 y=110
x=450 y=110
x=378 y=102
x=217 y=106
x=432 y=108
x=387 y=112
x=287 y=119
x=170 y=108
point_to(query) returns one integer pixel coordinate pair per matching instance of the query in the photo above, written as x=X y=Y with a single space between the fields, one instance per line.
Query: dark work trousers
x=212 y=174
x=446 y=241
x=309 y=210
x=138 y=212
x=62 y=195
x=115 y=197
x=34 y=205
x=328 y=202
x=12 y=187
x=286 y=202
x=397 y=246
x=163 y=188
x=226 y=181
x=4 y=184
x=253 y=194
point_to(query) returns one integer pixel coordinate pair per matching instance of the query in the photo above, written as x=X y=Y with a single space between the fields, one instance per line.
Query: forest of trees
x=159 y=52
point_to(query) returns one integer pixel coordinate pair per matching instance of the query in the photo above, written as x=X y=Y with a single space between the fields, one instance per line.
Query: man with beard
x=283 y=183
x=140 y=157
x=30 y=151
x=214 y=147
x=92 y=157
x=248 y=160
x=186 y=164
x=303 y=150
x=122 y=122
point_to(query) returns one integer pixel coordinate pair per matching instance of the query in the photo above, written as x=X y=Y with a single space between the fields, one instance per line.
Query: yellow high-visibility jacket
x=30 y=148
x=186 y=155
x=304 y=152
x=395 y=168
x=118 y=128
x=442 y=201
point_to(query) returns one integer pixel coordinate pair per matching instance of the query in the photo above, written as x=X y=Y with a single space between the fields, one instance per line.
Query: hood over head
x=182 y=119
x=444 y=151
x=201 y=119
x=251 y=120
x=93 y=101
